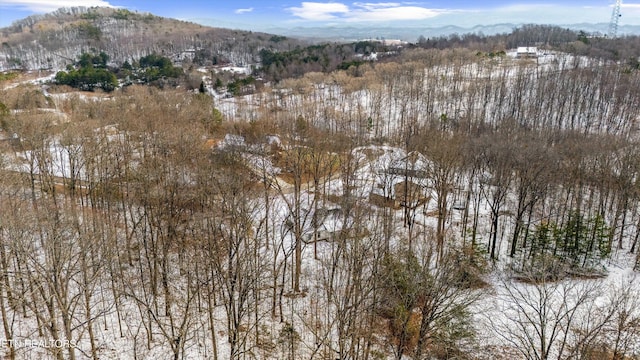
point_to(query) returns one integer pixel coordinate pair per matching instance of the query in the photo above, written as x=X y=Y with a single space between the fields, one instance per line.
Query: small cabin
x=527 y=52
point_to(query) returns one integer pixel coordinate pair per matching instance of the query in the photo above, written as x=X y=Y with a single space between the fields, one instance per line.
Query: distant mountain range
x=411 y=33
x=407 y=31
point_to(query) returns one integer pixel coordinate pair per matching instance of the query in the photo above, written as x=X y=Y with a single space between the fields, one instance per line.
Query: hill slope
x=53 y=40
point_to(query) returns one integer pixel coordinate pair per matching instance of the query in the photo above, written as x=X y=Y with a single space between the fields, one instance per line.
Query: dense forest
x=446 y=201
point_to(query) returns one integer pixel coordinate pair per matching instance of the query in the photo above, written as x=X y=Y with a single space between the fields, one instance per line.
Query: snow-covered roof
x=527 y=50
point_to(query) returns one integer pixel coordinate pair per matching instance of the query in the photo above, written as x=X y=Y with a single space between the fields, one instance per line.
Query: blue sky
x=257 y=14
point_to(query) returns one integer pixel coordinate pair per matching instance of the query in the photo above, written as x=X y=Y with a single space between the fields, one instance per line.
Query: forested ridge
x=54 y=40
x=444 y=202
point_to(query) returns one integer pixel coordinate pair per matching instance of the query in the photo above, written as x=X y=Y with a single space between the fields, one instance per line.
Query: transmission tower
x=615 y=17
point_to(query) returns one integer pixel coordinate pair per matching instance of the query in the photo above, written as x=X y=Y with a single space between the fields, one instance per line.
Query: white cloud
x=244 y=11
x=391 y=12
x=319 y=11
x=542 y=12
x=361 y=11
x=50 y=5
x=373 y=6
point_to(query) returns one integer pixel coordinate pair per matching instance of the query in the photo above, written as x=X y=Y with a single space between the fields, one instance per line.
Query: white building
x=527 y=52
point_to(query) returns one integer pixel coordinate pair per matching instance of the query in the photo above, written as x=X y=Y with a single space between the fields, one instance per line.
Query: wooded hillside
x=54 y=40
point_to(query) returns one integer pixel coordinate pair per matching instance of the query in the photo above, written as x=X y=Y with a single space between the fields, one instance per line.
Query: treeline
x=547 y=37
x=150 y=69
x=327 y=57
x=86 y=13
x=92 y=72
